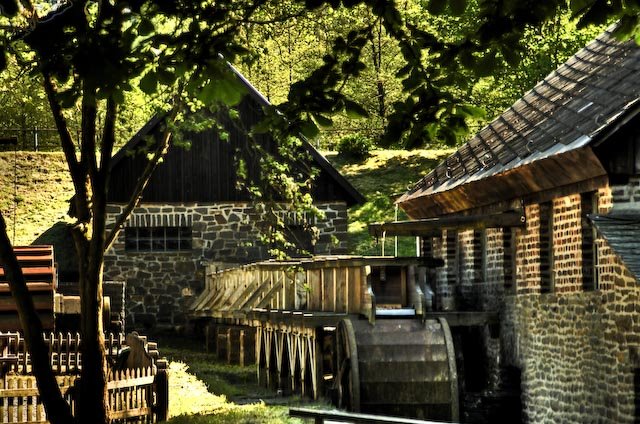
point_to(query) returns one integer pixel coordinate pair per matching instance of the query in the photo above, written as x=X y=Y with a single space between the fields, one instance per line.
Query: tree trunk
x=58 y=411
x=92 y=401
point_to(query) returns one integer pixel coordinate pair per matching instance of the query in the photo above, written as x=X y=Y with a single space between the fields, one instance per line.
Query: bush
x=355 y=146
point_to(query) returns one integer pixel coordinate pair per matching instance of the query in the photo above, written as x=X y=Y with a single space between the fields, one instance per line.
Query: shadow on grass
x=207 y=391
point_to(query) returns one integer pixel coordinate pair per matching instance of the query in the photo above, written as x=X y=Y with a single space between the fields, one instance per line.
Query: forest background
x=285 y=51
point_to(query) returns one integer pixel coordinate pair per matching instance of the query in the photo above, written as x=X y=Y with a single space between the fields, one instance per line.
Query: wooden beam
x=321 y=416
x=433 y=226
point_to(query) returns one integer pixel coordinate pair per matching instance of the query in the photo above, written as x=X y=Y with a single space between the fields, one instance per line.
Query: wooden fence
x=135 y=394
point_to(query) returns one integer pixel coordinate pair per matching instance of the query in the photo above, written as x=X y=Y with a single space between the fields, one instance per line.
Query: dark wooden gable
x=207 y=171
x=619 y=152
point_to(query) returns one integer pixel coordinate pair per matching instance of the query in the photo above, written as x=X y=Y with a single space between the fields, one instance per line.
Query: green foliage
x=355 y=146
x=382 y=177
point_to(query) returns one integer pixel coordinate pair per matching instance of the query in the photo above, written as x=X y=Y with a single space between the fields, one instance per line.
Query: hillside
x=44 y=188
x=42 y=193
x=382 y=177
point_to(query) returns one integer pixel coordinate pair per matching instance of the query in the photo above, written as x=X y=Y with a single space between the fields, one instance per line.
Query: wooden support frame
x=433 y=227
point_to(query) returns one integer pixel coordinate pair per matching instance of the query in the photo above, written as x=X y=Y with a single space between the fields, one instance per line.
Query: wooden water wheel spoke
x=347 y=379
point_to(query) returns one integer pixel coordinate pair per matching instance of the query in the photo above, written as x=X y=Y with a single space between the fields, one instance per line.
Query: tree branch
x=88 y=144
x=76 y=170
x=108 y=136
x=143 y=180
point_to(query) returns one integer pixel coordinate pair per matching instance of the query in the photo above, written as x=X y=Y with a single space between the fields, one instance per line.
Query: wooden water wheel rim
x=347 y=362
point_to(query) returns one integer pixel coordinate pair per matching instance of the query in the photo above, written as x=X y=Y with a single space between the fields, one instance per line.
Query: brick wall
x=160 y=286
x=578 y=350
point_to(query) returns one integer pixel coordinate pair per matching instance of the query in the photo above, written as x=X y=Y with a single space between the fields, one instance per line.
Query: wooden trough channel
x=358 y=329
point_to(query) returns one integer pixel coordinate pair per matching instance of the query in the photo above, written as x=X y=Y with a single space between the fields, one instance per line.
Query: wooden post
x=221 y=342
x=161 y=386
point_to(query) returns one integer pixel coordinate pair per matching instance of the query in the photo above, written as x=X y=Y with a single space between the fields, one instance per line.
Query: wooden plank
x=352 y=417
x=129 y=382
x=33 y=286
x=356 y=282
x=42 y=302
x=341 y=284
x=315 y=292
x=131 y=413
x=433 y=226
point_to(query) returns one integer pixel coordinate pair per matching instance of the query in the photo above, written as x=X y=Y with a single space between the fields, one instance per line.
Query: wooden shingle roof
x=569 y=109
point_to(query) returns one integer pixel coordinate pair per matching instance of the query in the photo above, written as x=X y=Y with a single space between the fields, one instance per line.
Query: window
x=157 y=239
x=546 y=247
x=588 y=204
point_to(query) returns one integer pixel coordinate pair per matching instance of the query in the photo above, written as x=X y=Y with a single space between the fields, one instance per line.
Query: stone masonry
x=577 y=349
x=160 y=285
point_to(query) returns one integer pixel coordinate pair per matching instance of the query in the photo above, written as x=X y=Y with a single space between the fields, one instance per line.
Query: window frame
x=158 y=239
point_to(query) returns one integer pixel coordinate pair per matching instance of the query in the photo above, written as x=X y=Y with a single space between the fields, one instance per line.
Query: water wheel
x=400 y=367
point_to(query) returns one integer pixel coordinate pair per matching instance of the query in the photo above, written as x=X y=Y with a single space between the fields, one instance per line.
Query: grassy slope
x=382 y=177
x=44 y=187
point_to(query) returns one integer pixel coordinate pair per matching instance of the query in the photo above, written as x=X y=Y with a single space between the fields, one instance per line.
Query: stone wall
x=160 y=285
x=577 y=349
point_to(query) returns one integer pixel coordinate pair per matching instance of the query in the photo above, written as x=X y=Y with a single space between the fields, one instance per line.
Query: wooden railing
x=332 y=285
x=320 y=284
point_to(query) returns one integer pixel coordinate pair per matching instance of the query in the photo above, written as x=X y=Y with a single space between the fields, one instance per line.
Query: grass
x=207 y=391
x=43 y=190
x=381 y=178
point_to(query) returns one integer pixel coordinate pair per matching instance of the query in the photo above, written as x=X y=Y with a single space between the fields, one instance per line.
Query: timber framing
x=434 y=226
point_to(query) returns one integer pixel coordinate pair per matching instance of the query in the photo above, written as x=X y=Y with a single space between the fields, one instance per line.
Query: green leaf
x=436 y=7
x=627 y=27
x=473 y=111
x=149 y=83
x=457 y=7
x=322 y=121
x=309 y=129
x=225 y=89
x=596 y=14
x=354 y=110
x=145 y=27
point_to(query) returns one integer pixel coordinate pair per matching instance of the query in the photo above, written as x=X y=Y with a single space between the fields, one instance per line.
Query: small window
x=157 y=239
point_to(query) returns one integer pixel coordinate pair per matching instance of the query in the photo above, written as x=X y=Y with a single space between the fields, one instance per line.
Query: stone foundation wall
x=578 y=350
x=160 y=285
